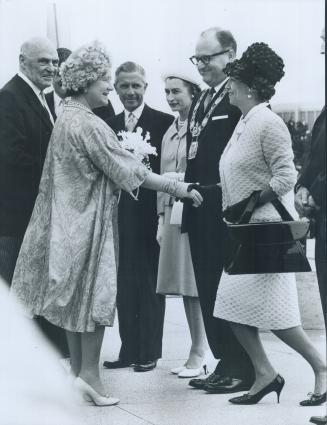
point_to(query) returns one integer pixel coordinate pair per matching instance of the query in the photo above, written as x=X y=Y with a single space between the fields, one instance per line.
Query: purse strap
x=253 y=202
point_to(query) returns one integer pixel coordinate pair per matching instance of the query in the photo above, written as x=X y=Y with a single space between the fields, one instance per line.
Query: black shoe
x=275 y=385
x=226 y=385
x=200 y=383
x=117 y=364
x=314 y=400
x=146 y=366
x=319 y=420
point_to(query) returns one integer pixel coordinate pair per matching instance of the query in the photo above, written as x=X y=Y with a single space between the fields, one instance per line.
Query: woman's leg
x=75 y=351
x=297 y=339
x=91 y=347
x=198 y=336
x=248 y=336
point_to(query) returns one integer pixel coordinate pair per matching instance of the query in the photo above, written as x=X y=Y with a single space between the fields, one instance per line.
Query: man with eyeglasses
x=211 y=123
x=26 y=124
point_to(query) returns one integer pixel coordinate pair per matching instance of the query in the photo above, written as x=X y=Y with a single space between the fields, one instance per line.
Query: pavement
x=160 y=398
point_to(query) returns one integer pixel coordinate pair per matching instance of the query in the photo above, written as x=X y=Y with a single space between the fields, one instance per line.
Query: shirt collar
x=36 y=90
x=137 y=112
x=219 y=86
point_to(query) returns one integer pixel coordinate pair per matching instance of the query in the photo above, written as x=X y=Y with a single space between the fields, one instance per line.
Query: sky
x=161 y=35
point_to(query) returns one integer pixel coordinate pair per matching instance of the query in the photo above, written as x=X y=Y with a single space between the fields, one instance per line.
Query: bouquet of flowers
x=138 y=145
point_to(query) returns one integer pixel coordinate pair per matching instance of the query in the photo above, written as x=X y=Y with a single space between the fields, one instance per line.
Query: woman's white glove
x=160 y=229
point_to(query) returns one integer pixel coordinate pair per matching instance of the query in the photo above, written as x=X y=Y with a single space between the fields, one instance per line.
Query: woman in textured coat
x=259 y=157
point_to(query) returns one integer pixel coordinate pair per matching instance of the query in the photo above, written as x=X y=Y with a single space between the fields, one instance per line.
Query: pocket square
x=219 y=117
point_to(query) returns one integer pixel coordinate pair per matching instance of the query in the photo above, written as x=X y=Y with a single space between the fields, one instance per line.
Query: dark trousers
x=205 y=230
x=321 y=260
x=141 y=316
x=9 y=250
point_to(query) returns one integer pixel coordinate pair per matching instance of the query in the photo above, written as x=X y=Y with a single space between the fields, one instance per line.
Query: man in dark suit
x=212 y=120
x=56 y=96
x=310 y=201
x=25 y=127
x=140 y=309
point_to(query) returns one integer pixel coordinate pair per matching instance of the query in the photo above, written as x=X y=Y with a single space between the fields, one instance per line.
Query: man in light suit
x=310 y=201
x=140 y=309
x=26 y=124
x=212 y=120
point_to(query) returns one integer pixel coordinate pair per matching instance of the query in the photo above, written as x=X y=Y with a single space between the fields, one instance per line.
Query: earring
x=249 y=95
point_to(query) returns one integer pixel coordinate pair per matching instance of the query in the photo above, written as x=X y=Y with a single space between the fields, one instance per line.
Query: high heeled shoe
x=315 y=399
x=192 y=373
x=177 y=370
x=275 y=386
x=89 y=394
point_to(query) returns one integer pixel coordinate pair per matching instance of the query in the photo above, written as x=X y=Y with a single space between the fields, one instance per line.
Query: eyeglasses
x=206 y=58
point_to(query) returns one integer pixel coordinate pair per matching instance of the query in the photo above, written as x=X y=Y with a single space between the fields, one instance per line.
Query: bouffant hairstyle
x=260 y=68
x=83 y=67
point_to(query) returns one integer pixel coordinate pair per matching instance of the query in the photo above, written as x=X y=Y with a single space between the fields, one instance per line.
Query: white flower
x=137 y=144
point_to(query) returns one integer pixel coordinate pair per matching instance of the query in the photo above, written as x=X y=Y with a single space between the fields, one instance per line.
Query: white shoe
x=90 y=394
x=177 y=370
x=193 y=373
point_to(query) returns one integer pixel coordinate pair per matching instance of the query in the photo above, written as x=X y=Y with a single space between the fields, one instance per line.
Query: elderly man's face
x=39 y=65
x=212 y=72
x=130 y=88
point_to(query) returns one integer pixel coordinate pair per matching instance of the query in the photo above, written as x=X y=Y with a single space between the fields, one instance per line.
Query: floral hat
x=84 y=66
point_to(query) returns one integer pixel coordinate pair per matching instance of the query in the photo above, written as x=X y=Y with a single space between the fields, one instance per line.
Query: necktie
x=131 y=122
x=46 y=107
x=209 y=98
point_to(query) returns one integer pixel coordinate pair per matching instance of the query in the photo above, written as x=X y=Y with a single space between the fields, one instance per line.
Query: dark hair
x=130 y=67
x=194 y=89
x=225 y=38
x=260 y=68
x=63 y=54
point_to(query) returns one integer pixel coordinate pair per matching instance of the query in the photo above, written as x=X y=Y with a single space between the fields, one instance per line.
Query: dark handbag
x=267 y=247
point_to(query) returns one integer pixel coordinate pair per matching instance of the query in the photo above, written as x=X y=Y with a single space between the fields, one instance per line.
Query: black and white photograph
x=163 y=212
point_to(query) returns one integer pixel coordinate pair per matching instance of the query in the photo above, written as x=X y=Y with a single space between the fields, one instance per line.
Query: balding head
x=38 y=60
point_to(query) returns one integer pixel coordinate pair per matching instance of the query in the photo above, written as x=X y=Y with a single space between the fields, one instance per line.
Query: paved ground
x=159 y=398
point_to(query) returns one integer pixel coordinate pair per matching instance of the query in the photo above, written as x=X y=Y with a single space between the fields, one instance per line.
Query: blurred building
x=306 y=113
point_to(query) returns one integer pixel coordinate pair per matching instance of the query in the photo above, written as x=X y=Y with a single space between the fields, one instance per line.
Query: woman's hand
x=160 y=229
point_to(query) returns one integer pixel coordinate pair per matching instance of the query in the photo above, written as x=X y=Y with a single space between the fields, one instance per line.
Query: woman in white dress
x=175 y=271
x=259 y=157
x=66 y=269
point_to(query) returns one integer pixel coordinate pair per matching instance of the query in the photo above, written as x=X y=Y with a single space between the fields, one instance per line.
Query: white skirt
x=267 y=301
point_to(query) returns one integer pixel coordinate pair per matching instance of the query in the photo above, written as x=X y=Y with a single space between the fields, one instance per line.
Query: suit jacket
x=313 y=174
x=25 y=130
x=50 y=101
x=138 y=219
x=204 y=168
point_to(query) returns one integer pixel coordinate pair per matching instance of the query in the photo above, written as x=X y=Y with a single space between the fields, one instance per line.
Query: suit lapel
x=34 y=102
x=144 y=118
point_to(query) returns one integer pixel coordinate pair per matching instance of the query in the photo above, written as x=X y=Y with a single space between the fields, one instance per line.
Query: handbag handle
x=253 y=202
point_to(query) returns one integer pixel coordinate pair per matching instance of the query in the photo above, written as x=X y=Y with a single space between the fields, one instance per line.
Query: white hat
x=184 y=73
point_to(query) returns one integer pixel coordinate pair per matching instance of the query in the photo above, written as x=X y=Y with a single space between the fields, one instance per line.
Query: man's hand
x=304 y=203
